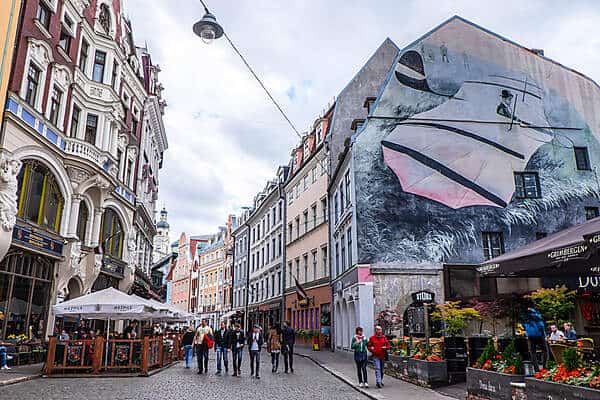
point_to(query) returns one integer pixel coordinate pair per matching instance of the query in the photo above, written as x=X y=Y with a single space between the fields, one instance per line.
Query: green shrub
x=489 y=353
x=571 y=359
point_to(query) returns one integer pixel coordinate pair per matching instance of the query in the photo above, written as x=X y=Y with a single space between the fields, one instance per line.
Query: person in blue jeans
x=237 y=349
x=222 y=344
x=4 y=357
x=188 y=346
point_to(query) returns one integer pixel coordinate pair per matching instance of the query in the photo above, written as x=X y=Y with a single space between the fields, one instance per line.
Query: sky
x=226 y=139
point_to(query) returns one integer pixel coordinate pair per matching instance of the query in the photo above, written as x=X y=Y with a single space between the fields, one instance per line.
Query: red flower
x=498 y=357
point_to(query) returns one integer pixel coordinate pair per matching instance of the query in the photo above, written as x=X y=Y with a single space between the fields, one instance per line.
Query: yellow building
x=212 y=279
x=9 y=19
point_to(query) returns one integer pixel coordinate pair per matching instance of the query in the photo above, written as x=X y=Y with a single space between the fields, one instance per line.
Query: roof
x=162 y=224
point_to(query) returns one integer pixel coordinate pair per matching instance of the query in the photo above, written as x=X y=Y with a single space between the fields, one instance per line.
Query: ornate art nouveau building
x=84 y=118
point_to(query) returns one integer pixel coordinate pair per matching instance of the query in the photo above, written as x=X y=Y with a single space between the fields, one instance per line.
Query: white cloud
x=226 y=139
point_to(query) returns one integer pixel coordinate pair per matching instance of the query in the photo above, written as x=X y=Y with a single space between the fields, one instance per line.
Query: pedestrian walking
x=255 y=343
x=288 y=340
x=237 y=349
x=4 y=357
x=203 y=340
x=274 y=346
x=535 y=330
x=378 y=345
x=222 y=344
x=359 y=345
x=187 y=341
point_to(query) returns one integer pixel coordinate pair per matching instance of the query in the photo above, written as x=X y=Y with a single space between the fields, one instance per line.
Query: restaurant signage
x=37 y=241
x=568 y=253
x=423 y=296
x=487 y=268
x=582 y=284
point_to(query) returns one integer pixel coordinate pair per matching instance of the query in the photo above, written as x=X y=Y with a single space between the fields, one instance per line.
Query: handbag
x=208 y=341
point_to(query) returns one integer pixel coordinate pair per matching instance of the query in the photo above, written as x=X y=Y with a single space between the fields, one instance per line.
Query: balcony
x=95 y=90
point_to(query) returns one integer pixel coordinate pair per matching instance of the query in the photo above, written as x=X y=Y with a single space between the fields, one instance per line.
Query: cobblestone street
x=308 y=382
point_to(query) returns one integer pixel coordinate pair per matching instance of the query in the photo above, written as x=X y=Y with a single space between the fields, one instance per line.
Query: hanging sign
x=424 y=296
x=33 y=240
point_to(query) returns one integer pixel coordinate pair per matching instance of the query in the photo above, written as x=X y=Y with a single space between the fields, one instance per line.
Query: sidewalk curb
x=339 y=376
x=19 y=380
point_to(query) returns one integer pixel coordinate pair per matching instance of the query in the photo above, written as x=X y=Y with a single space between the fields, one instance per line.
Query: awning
x=571 y=252
x=228 y=314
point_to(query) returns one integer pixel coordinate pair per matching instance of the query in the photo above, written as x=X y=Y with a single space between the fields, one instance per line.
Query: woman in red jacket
x=378 y=345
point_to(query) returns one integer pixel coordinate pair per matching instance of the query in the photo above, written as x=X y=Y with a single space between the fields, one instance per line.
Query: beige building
x=307 y=233
x=212 y=276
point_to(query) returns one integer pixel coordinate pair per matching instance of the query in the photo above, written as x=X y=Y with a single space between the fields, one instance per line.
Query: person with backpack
x=378 y=345
x=203 y=340
x=535 y=329
x=274 y=346
x=359 y=345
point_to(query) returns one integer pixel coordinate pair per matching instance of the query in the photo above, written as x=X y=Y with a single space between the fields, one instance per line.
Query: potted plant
x=572 y=379
x=427 y=368
x=455 y=319
x=490 y=312
x=493 y=373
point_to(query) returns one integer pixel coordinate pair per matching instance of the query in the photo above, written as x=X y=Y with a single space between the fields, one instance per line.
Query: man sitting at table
x=570 y=333
x=556 y=335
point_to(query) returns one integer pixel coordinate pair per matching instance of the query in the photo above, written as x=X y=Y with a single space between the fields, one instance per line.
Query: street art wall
x=473 y=133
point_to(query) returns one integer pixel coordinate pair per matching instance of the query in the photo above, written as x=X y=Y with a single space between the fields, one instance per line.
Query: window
x=342 y=203
x=291 y=198
x=83 y=55
x=493 y=244
x=305 y=182
x=305 y=215
x=297 y=227
x=33 y=82
x=91 y=127
x=313 y=174
x=75 y=121
x=324 y=209
x=347 y=187
x=65 y=37
x=337 y=258
x=591 y=213
x=129 y=172
x=463 y=282
x=113 y=80
x=349 y=239
x=582 y=158
x=335 y=205
x=134 y=125
x=297 y=268
x=343 y=251
x=290 y=278
x=324 y=260
x=527 y=185
x=40 y=199
x=314 y=215
x=99 y=63
x=55 y=100
x=43 y=15
x=314 y=261
x=290 y=231
x=279 y=240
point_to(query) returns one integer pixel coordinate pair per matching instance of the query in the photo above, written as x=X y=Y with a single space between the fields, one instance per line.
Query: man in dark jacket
x=222 y=344
x=237 y=349
x=288 y=338
x=255 y=343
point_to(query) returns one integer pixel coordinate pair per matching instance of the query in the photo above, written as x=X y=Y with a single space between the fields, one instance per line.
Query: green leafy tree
x=554 y=303
x=454 y=317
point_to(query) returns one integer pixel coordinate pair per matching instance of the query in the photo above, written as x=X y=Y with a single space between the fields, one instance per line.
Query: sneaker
x=9 y=357
x=379 y=386
x=360 y=384
x=366 y=385
x=382 y=385
x=218 y=373
x=6 y=367
x=257 y=377
x=199 y=372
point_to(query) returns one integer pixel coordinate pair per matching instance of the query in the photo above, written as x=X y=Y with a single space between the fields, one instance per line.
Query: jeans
x=202 y=355
x=189 y=353
x=535 y=344
x=288 y=357
x=361 y=369
x=275 y=361
x=3 y=359
x=236 y=357
x=254 y=359
x=222 y=352
x=378 y=363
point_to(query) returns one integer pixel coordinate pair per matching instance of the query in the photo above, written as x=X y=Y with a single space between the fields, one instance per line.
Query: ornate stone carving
x=75 y=255
x=40 y=52
x=132 y=247
x=77 y=175
x=9 y=169
x=62 y=76
x=101 y=183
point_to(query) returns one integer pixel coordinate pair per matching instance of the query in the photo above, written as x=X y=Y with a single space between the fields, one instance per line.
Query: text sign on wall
x=28 y=238
x=423 y=296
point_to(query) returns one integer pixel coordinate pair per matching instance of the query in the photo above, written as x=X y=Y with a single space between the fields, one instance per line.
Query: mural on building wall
x=461 y=112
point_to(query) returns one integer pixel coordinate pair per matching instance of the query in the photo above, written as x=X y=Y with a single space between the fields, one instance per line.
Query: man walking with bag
x=288 y=337
x=203 y=340
x=222 y=344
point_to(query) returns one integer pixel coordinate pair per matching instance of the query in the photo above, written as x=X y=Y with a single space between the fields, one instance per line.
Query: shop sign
x=423 y=296
x=303 y=303
x=33 y=240
x=582 y=284
x=487 y=268
x=568 y=253
x=594 y=239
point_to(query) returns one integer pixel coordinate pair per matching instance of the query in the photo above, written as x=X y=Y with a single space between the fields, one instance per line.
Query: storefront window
x=24 y=294
x=40 y=200
x=112 y=234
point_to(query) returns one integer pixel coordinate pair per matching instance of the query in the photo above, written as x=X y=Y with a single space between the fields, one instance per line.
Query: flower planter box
x=537 y=389
x=428 y=373
x=490 y=385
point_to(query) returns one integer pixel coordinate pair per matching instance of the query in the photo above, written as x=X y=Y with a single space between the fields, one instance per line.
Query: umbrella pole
x=107 y=340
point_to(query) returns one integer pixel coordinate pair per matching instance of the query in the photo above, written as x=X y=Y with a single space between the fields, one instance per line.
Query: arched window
x=40 y=200
x=104 y=18
x=112 y=234
x=84 y=214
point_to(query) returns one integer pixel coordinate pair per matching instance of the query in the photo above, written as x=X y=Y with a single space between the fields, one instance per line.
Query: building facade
x=240 y=277
x=72 y=120
x=212 y=275
x=474 y=146
x=307 y=260
x=9 y=20
x=266 y=230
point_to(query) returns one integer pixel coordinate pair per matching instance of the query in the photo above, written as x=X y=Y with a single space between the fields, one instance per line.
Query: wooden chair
x=557 y=349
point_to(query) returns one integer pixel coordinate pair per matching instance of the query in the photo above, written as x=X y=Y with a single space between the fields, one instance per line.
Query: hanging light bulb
x=208 y=28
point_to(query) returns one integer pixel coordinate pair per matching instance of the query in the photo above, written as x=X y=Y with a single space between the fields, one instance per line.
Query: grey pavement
x=20 y=373
x=309 y=381
x=341 y=364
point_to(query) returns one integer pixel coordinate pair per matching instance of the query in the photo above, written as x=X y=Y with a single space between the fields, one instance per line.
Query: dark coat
x=223 y=340
x=235 y=339
x=261 y=340
x=288 y=336
x=188 y=339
